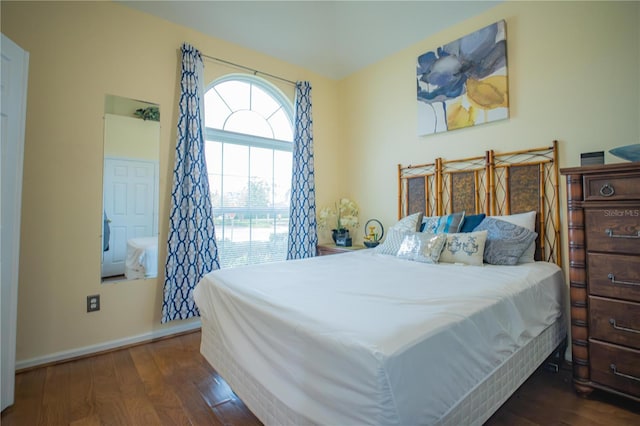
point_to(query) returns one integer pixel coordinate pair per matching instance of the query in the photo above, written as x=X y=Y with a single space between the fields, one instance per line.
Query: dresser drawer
x=616 y=367
x=613 y=230
x=614 y=275
x=621 y=187
x=615 y=321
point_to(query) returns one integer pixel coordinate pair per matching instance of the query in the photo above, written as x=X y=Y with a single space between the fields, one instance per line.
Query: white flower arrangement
x=344 y=213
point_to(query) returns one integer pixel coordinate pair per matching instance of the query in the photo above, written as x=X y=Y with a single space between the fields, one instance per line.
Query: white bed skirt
x=474 y=409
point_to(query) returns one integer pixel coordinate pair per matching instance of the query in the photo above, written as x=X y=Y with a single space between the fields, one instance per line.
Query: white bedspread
x=142 y=258
x=364 y=338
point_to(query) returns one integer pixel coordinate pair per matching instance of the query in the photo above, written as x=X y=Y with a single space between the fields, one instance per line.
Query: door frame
x=14 y=106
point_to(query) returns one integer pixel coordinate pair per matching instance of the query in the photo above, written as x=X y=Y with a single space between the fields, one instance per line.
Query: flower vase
x=341 y=237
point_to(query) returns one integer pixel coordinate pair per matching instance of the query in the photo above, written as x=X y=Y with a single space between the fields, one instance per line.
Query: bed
x=373 y=338
x=142 y=258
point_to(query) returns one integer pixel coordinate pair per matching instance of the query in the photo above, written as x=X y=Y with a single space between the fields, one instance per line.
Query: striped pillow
x=439 y=224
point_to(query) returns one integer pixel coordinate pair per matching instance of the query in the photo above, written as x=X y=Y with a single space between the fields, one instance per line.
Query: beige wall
x=573 y=76
x=80 y=52
x=129 y=137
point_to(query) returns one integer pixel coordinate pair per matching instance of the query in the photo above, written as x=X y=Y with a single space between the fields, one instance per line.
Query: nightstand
x=326 y=249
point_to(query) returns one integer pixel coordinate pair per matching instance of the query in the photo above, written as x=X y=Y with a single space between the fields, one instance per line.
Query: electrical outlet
x=93 y=303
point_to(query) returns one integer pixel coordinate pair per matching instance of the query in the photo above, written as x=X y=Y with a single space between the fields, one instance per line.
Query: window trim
x=243 y=139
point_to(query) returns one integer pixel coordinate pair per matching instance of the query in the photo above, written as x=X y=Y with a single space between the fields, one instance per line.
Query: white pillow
x=526 y=220
x=422 y=247
x=464 y=247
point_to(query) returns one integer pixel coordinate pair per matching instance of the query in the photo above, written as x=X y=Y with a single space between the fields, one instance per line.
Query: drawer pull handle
x=610 y=234
x=615 y=371
x=607 y=190
x=612 y=321
x=614 y=281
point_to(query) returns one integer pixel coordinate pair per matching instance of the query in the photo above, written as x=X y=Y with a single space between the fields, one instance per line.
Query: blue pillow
x=506 y=242
x=470 y=222
x=442 y=224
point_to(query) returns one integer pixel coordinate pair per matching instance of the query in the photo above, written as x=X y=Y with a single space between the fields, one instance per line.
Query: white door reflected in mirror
x=130 y=190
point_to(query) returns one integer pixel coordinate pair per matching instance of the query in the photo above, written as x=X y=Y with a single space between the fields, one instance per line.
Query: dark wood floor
x=168 y=382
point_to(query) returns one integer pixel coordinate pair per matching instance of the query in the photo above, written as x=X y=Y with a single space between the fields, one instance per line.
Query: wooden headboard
x=495 y=184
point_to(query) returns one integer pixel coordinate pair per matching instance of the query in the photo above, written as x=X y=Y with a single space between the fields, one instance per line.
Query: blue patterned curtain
x=303 y=234
x=191 y=250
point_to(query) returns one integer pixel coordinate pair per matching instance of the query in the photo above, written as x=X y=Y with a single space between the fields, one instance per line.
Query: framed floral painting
x=464 y=82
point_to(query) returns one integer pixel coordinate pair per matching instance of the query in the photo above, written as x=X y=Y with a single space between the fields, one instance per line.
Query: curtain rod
x=254 y=71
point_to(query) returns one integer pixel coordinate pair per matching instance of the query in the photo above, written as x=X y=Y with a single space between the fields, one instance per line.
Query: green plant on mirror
x=150 y=113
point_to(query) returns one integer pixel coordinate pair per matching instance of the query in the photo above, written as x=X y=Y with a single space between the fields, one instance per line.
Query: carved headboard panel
x=495 y=184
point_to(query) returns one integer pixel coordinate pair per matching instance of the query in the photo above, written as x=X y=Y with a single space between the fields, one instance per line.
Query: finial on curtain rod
x=254 y=71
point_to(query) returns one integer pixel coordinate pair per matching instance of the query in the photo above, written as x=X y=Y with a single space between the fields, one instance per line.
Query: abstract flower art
x=464 y=83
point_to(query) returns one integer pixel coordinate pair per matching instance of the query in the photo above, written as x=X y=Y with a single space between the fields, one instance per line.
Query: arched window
x=248 y=148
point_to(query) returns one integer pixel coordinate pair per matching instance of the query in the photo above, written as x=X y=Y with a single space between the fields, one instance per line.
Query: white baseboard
x=113 y=344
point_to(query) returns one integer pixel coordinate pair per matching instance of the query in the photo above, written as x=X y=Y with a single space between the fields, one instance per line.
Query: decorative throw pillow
x=466 y=248
x=396 y=233
x=439 y=224
x=470 y=222
x=392 y=242
x=422 y=247
x=506 y=242
x=529 y=255
x=526 y=220
x=409 y=223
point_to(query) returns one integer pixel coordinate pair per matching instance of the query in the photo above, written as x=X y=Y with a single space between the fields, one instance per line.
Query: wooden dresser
x=604 y=272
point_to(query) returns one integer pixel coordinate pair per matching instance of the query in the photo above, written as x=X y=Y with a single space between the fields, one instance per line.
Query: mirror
x=129 y=243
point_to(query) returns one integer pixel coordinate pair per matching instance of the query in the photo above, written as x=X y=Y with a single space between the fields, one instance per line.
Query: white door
x=13 y=108
x=129 y=208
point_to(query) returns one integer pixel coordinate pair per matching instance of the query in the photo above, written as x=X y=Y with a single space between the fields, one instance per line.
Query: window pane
x=263 y=103
x=281 y=126
x=215 y=110
x=215 y=188
x=262 y=164
x=236 y=160
x=235 y=94
x=236 y=175
x=213 y=158
x=282 y=169
x=261 y=194
x=250 y=123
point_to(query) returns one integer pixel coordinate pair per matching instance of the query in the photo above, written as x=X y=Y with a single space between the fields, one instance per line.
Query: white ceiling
x=331 y=38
